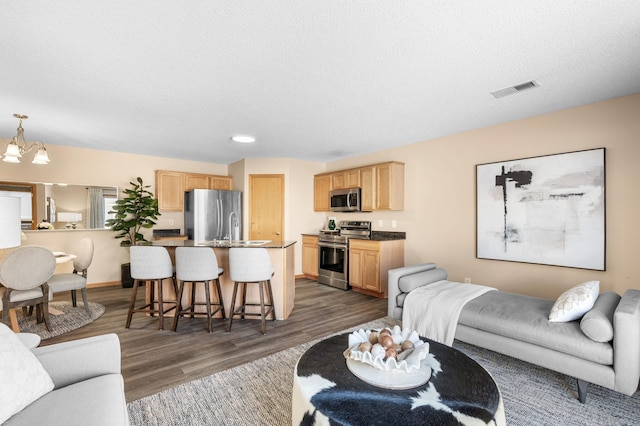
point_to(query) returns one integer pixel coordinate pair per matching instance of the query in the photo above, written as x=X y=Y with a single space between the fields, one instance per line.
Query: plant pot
x=125 y=275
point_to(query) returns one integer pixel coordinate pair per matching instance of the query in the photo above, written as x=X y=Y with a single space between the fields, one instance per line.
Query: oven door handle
x=334 y=246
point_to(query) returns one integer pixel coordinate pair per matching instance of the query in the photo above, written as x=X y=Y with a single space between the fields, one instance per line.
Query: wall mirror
x=61 y=205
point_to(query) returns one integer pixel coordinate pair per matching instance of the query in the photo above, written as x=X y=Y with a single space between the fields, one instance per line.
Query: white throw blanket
x=433 y=310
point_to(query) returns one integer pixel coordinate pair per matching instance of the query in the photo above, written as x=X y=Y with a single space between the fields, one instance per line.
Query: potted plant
x=137 y=210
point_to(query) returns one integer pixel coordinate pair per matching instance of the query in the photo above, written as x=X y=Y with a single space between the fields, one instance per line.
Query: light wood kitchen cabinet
x=369 y=264
x=381 y=186
x=310 y=256
x=346 y=179
x=390 y=186
x=321 y=190
x=368 y=188
x=171 y=186
x=220 y=182
x=170 y=190
x=202 y=181
x=195 y=181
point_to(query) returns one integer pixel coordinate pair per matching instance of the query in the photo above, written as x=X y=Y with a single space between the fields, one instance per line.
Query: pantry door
x=266 y=207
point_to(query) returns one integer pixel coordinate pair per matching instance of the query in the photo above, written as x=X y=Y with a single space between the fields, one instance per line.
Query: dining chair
x=153 y=265
x=77 y=280
x=251 y=266
x=196 y=265
x=24 y=273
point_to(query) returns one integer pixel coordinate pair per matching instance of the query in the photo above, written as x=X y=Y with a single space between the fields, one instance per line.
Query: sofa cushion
x=413 y=281
x=524 y=318
x=597 y=324
x=97 y=401
x=575 y=302
x=24 y=379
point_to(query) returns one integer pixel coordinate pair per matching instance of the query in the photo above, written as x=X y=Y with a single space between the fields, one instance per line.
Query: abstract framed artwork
x=548 y=210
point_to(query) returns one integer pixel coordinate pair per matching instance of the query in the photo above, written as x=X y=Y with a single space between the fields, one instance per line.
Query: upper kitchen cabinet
x=321 y=189
x=171 y=186
x=368 y=188
x=381 y=186
x=389 y=186
x=195 y=181
x=202 y=181
x=346 y=179
x=170 y=190
x=220 y=182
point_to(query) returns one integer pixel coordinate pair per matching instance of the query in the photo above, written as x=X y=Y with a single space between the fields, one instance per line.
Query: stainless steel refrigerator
x=211 y=214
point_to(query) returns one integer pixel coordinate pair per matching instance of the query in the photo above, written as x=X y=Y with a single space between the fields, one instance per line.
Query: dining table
x=62 y=257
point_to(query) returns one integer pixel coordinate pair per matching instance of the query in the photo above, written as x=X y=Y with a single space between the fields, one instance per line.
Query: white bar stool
x=251 y=266
x=198 y=265
x=151 y=264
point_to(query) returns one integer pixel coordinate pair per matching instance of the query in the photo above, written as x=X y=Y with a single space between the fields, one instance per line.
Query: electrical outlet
x=380 y=223
x=394 y=223
x=467 y=280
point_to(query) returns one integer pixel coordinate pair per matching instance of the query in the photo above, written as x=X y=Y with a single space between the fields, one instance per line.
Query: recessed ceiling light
x=243 y=138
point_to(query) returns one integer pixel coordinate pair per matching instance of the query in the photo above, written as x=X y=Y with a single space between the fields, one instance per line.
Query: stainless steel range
x=333 y=252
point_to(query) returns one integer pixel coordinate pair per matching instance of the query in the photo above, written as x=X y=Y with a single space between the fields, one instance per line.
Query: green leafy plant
x=137 y=210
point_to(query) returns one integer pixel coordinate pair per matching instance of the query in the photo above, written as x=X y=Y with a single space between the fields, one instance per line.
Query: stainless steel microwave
x=345 y=200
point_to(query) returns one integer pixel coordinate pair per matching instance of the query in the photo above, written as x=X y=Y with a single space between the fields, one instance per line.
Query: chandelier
x=19 y=146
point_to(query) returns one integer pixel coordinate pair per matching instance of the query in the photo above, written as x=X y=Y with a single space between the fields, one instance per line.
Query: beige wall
x=299 y=216
x=439 y=215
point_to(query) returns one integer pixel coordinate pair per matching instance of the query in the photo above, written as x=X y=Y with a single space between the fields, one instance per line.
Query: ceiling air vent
x=515 y=89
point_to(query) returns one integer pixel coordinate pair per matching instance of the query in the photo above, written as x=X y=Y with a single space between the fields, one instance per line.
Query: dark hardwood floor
x=154 y=360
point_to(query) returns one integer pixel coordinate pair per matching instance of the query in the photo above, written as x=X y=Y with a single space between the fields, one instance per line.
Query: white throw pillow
x=575 y=302
x=23 y=378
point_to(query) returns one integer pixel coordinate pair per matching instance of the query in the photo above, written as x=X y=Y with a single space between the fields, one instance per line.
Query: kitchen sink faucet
x=232 y=216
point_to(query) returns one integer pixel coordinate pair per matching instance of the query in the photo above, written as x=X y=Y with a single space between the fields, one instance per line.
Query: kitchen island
x=282 y=282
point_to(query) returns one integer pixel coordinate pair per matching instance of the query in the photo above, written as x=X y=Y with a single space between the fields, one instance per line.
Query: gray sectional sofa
x=518 y=326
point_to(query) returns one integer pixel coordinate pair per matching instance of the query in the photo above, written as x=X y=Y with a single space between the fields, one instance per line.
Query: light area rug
x=71 y=319
x=259 y=393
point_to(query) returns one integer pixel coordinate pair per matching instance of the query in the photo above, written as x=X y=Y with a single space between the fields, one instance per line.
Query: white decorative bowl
x=411 y=363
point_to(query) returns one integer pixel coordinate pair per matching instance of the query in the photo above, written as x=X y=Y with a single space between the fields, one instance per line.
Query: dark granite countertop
x=388 y=236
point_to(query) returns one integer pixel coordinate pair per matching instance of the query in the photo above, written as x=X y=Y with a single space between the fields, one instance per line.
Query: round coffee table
x=325 y=391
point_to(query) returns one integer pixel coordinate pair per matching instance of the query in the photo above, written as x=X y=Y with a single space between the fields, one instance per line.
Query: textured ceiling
x=317 y=80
